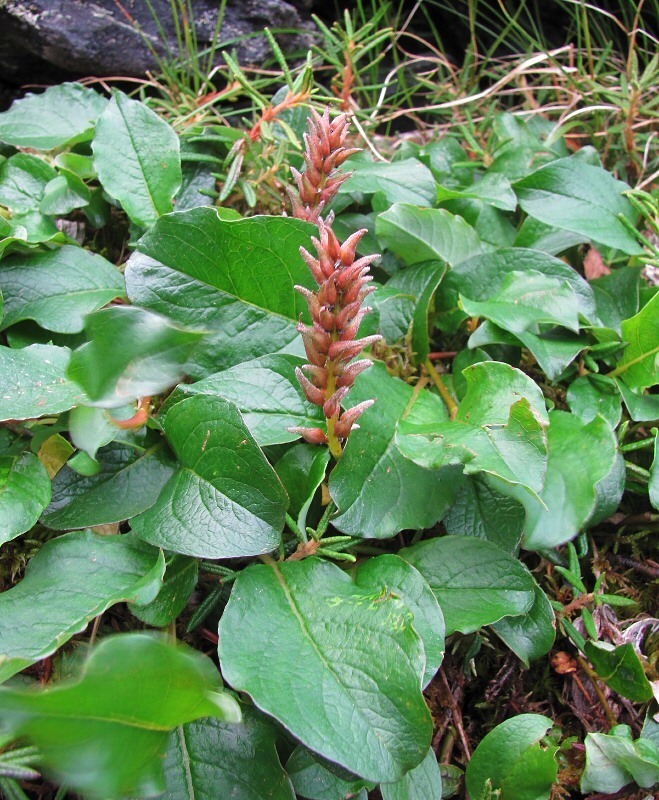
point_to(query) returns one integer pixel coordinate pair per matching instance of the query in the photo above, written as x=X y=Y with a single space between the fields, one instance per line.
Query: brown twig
x=457 y=717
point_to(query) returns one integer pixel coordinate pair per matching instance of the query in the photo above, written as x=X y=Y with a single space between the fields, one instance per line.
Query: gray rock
x=52 y=39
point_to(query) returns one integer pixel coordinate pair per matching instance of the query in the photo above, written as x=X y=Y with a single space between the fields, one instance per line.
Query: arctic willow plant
x=336 y=307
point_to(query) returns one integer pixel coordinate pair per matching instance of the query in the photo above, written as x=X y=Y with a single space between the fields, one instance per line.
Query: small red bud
x=349 y=247
x=350 y=331
x=318 y=375
x=344 y=351
x=313 y=264
x=311 y=435
x=333 y=406
x=326 y=319
x=352 y=371
x=346 y=315
x=328 y=294
x=350 y=273
x=314 y=395
x=355 y=292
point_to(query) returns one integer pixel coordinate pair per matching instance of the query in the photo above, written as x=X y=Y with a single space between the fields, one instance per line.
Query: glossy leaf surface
x=322 y=682
x=225 y=500
x=61 y=115
x=34 y=382
x=136 y=157
x=25 y=491
x=514 y=761
x=106 y=734
x=474 y=581
x=372 y=470
x=57 y=289
x=211 y=758
x=233 y=278
x=103 y=569
x=131 y=353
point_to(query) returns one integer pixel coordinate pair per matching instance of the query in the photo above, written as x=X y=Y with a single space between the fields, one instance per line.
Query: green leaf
x=61 y=115
x=542 y=238
x=372 y=470
x=641 y=407
x=268 y=394
x=210 y=758
x=493 y=188
x=57 y=289
x=34 y=383
x=389 y=573
x=137 y=158
x=499 y=430
x=616 y=296
x=424 y=234
x=233 y=278
x=104 y=570
x=180 y=579
x=91 y=427
x=420 y=281
x=620 y=668
x=525 y=301
x=580 y=455
x=513 y=760
x=366 y=714
x=125 y=486
x=579 y=197
x=639 y=365
x=590 y=395
x=421 y=783
x=302 y=469
x=532 y=635
x=106 y=734
x=131 y=353
x=513 y=455
x=480 y=510
x=613 y=760
x=392 y=314
x=24 y=493
x=317 y=779
x=225 y=500
x=554 y=351
x=406 y=181
x=474 y=581
x=484 y=275
x=64 y=194
x=23 y=178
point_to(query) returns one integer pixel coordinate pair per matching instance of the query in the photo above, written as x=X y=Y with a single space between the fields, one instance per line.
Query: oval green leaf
x=137 y=158
x=106 y=734
x=366 y=714
x=57 y=289
x=225 y=500
x=104 y=570
x=474 y=581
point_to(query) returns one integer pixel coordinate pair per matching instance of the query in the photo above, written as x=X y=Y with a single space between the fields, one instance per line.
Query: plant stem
x=447 y=397
x=624 y=367
x=594 y=679
x=332 y=440
x=643 y=444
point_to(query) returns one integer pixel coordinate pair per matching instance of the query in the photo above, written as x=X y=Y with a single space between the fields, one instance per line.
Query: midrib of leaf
x=624 y=367
x=186 y=762
x=139 y=158
x=118 y=720
x=327 y=664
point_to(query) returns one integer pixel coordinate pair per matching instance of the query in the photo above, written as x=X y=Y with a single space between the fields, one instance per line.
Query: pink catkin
x=336 y=306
